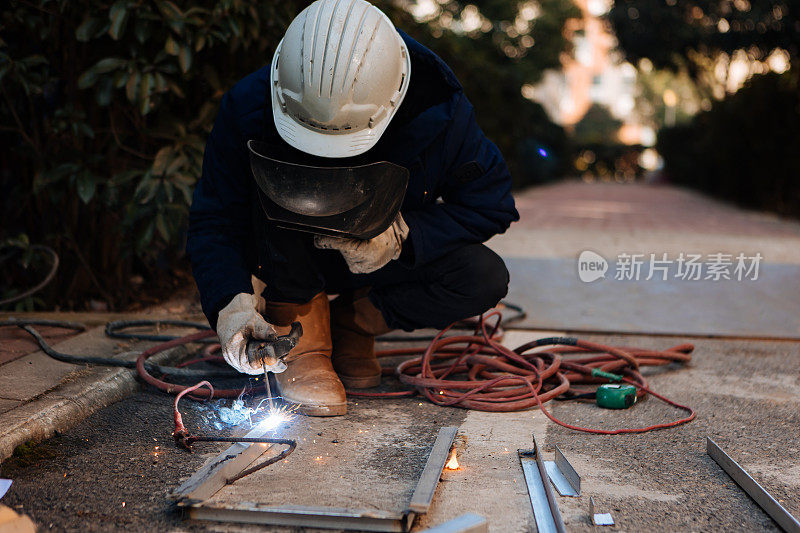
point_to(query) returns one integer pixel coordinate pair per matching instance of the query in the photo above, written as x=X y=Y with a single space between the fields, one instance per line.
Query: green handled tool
x=615 y=396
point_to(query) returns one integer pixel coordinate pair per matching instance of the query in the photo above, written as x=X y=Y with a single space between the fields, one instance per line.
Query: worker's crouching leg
x=464 y=283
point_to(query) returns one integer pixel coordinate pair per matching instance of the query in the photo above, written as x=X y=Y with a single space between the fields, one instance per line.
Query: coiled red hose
x=486 y=376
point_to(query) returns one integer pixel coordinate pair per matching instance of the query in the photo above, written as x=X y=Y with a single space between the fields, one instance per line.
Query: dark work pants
x=463 y=283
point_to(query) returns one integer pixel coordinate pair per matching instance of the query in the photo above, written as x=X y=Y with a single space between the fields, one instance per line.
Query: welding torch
x=270 y=353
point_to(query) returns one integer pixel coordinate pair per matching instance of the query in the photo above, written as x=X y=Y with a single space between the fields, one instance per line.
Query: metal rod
x=301 y=516
x=764 y=499
x=429 y=479
x=266 y=385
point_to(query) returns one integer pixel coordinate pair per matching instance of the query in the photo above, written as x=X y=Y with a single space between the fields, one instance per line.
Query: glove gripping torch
x=270 y=353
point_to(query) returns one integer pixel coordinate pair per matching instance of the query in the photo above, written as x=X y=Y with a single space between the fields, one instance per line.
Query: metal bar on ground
x=764 y=499
x=5 y=484
x=429 y=480
x=466 y=523
x=302 y=516
x=207 y=481
x=600 y=519
x=545 y=510
x=564 y=478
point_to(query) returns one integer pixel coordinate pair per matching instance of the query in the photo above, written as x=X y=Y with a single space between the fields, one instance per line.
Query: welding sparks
x=452 y=464
x=265 y=416
x=274 y=416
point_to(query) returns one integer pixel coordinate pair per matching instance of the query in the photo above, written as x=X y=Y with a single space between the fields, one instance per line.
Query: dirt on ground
x=111 y=472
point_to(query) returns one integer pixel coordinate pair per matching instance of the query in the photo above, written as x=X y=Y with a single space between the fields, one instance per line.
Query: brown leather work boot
x=309 y=380
x=354 y=324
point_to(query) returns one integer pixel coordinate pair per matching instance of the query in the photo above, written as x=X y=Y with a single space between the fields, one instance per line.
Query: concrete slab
x=31 y=375
x=555 y=298
x=7 y=405
x=489 y=480
x=746 y=397
x=16 y=343
x=369 y=459
x=36 y=373
x=381 y=447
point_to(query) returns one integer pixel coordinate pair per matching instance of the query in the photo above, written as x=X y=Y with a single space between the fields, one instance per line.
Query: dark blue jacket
x=434 y=135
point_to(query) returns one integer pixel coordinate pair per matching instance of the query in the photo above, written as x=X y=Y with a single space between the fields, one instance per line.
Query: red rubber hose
x=171 y=388
x=485 y=375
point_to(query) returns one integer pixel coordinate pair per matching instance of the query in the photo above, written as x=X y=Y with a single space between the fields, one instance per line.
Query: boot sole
x=338 y=409
x=366 y=382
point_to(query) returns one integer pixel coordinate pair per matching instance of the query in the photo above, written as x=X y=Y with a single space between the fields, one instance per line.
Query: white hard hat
x=337 y=78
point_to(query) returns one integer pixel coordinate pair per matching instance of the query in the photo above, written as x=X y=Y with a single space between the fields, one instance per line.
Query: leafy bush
x=746 y=148
x=106 y=107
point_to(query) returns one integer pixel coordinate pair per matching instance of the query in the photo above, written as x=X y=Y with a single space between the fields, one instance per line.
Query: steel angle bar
x=564 y=478
x=429 y=480
x=545 y=511
x=466 y=523
x=763 y=498
x=302 y=516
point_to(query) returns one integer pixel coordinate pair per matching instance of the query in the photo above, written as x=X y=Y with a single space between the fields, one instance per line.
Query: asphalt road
x=106 y=474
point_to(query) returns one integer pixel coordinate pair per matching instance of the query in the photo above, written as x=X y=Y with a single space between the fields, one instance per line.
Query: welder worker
x=352 y=121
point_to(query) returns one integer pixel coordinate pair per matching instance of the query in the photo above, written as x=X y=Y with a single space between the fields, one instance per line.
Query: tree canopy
x=686 y=33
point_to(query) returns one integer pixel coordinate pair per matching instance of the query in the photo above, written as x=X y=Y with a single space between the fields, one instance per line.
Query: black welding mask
x=348 y=197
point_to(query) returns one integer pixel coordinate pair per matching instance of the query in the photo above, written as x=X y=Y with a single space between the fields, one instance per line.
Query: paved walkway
x=744 y=280
x=40 y=396
x=561 y=219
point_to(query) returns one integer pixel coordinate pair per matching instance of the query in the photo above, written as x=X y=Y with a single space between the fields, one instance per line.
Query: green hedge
x=105 y=108
x=746 y=148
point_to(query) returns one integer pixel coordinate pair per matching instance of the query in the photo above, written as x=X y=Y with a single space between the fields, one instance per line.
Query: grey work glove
x=237 y=323
x=363 y=257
